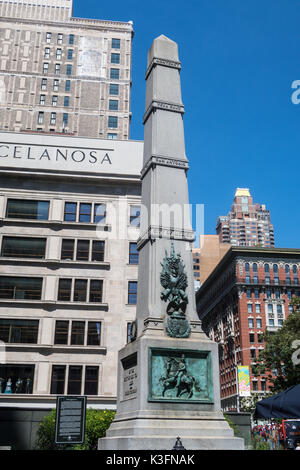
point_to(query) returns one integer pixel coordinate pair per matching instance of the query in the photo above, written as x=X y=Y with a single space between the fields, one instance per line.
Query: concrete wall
x=18 y=427
x=243 y=423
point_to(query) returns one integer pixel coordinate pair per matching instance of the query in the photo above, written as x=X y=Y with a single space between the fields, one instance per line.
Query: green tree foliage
x=279 y=354
x=96 y=425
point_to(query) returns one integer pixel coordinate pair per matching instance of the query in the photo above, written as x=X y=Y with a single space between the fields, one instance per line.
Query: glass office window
x=21 y=247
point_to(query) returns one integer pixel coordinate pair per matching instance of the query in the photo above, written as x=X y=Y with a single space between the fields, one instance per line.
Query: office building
x=69 y=211
x=247 y=224
x=61 y=74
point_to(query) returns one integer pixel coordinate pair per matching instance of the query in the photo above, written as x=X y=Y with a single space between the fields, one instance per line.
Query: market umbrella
x=285 y=405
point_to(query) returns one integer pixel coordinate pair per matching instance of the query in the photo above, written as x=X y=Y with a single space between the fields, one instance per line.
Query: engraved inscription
x=130 y=383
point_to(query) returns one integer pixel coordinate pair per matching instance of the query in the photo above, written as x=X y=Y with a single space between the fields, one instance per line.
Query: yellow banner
x=244 y=381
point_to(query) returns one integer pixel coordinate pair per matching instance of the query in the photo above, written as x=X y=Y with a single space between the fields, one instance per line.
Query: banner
x=244 y=381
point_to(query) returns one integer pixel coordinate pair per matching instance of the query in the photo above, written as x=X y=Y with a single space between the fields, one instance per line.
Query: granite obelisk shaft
x=168 y=375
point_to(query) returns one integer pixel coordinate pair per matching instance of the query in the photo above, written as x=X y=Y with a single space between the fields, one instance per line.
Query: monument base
x=169 y=387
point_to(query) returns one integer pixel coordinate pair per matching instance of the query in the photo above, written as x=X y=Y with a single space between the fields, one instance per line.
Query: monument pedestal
x=169 y=387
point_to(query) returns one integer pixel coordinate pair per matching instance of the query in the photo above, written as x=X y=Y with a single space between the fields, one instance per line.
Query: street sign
x=70 y=419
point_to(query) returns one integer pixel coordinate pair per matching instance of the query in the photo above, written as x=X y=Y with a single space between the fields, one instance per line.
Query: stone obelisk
x=168 y=375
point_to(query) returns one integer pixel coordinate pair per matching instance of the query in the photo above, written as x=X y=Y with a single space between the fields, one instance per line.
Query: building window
x=27 y=209
x=268 y=280
x=83 y=247
x=249 y=293
x=248 y=280
x=255 y=385
x=96 y=288
x=135 y=214
x=113 y=105
x=254 y=267
x=44 y=84
x=79 y=293
x=260 y=338
x=287 y=269
x=271 y=322
x=115 y=74
x=70 y=54
x=55 y=84
x=19 y=247
x=251 y=338
x=68 y=85
x=112 y=136
x=279 y=308
x=113 y=89
x=132 y=292
x=42 y=100
x=255 y=279
x=40 y=117
x=74 y=380
x=256 y=293
x=115 y=58
x=263 y=385
x=19 y=331
x=58 y=54
x=65 y=119
x=59 y=38
x=128 y=332
x=66 y=101
x=45 y=68
x=91 y=380
x=252 y=353
x=64 y=290
x=113 y=121
x=275 y=268
x=267 y=268
x=57 y=69
x=67 y=249
x=21 y=288
x=74 y=384
x=80 y=290
x=257 y=308
x=100 y=213
x=133 y=253
x=54 y=100
x=258 y=323
x=53 y=119
x=94 y=333
x=98 y=250
x=270 y=308
x=69 y=69
x=47 y=53
x=85 y=211
x=71 y=39
x=249 y=306
x=277 y=294
x=17 y=378
x=48 y=37
x=58 y=380
x=115 y=43
x=247 y=267
x=77 y=333
x=276 y=281
x=250 y=323
x=61 y=332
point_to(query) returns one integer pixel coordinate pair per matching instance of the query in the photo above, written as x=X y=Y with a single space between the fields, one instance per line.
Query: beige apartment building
x=60 y=74
x=69 y=213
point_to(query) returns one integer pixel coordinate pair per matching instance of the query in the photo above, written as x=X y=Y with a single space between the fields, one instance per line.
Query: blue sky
x=239 y=59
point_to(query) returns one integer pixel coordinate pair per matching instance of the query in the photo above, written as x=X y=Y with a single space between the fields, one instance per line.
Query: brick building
x=247 y=292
